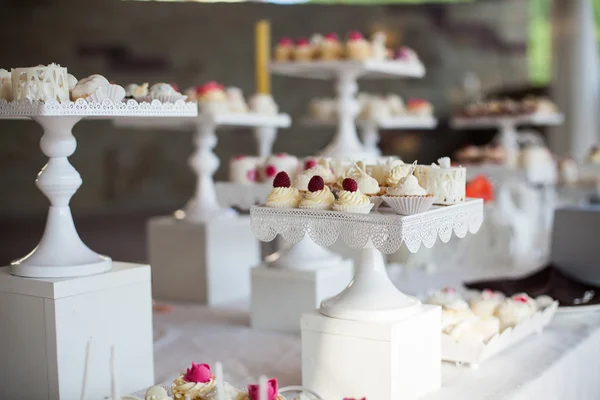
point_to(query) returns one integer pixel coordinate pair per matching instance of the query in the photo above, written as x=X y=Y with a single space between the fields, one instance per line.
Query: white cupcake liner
x=164 y=98
x=315 y=206
x=115 y=93
x=409 y=205
x=360 y=209
x=376 y=200
x=289 y=204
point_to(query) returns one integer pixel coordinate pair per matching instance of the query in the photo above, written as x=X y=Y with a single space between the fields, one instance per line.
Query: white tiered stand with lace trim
x=371 y=322
x=70 y=291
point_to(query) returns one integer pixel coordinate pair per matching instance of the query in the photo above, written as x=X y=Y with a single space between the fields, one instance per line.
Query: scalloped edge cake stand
x=346 y=143
x=371 y=296
x=61 y=253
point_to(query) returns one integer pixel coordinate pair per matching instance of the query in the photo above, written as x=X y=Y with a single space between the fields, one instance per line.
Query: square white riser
x=207 y=263
x=377 y=360
x=47 y=323
x=281 y=295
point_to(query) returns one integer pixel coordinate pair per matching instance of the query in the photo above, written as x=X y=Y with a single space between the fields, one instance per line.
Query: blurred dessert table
x=558 y=364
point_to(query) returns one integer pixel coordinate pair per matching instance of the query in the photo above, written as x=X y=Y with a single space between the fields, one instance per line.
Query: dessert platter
x=57 y=101
x=426 y=202
x=506 y=115
x=376 y=112
x=326 y=57
x=477 y=325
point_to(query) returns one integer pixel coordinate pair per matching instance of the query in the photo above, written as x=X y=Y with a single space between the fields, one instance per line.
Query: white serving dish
x=473 y=352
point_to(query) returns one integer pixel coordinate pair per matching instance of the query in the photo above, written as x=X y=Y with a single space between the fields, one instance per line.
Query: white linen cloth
x=561 y=363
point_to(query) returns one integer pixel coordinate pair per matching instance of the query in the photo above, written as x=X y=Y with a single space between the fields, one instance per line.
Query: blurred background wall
x=190 y=43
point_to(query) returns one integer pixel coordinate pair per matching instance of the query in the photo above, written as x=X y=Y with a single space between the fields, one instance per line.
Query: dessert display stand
x=190 y=251
x=369 y=129
x=346 y=73
x=371 y=322
x=62 y=293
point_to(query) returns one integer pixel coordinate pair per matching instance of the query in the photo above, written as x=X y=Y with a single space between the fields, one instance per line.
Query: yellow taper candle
x=263 y=56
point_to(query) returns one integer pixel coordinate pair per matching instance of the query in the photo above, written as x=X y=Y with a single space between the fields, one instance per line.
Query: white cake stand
x=507 y=127
x=346 y=73
x=61 y=252
x=371 y=296
x=369 y=129
x=204 y=205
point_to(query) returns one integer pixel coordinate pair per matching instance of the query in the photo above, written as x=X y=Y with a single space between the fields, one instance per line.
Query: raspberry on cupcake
x=283 y=194
x=350 y=199
x=318 y=197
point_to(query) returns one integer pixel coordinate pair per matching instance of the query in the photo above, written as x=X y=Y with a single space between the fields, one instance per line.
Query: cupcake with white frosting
x=165 y=93
x=486 y=303
x=318 y=197
x=196 y=383
x=408 y=197
x=366 y=183
x=395 y=173
x=283 y=195
x=157 y=393
x=350 y=199
x=322 y=169
x=515 y=309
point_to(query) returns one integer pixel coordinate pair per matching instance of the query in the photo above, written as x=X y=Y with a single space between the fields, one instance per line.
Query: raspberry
x=309 y=164
x=282 y=180
x=316 y=183
x=270 y=170
x=350 y=185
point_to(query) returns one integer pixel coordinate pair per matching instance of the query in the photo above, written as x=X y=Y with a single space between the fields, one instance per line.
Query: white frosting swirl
x=283 y=195
x=346 y=198
x=182 y=388
x=396 y=173
x=323 y=196
x=162 y=89
x=410 y=187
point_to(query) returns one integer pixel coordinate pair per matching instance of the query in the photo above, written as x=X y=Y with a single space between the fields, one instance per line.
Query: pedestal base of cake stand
x=51 y=321
x=295 y=281
x=204 y=262
x=400 y=359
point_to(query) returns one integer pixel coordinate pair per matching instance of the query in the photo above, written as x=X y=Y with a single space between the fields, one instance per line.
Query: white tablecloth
x=561 y=363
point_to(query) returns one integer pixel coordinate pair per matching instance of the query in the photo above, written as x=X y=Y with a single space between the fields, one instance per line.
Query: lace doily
x=105 y=108
x=386 y=230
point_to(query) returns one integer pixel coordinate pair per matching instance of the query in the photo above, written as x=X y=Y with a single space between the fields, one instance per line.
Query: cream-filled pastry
x=515 y=309
x=443 y=297
x=303 y=51
x=87 y=86
x=393 y=176
x=350 y=199
x=283 y=195
x=330 y=48
x=408 y=186
x=357 y=48
x=318 y=197
x=284 y=51
x=196 y=383
x=486 y=303
x=366 y=183
x=322 y=169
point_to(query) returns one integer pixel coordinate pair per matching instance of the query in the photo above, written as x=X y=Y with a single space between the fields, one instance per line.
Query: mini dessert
x=419 y=108
x=253 y=392
x=376 y=109
x=277 y=163
x=480 y=188
x=157 y=393
x=543 y=301
x=310 y=162
x=244 y=169
x=350 y=199
x=41 y=83
x=283 y=195
x=479 y=329
x=323 y=109
x=196 y=383
x=165 y=93
x=284 y=51
x=568 y=171
x=89 y=86
x=594 y=155
x=318 y=197
x=395 y=104
x=322 y=169
x=407 y=54
x=396 y=173
x=316 y=40
x=407 y=197
x=366 y=184
x=515 y=309
x=443 y=297
x=5 y=85
x=378 y=49
x=236 y=101
x=381 y=170
x=330 y=49
x=71 y=82
x=455 y=312
x=135 y=91
x=486 y=303
x=357 y=48
x=263 y=103
x=303 y=50
x=212 y=98
x=445 y=182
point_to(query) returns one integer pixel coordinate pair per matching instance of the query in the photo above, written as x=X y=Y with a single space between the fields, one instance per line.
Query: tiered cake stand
x=369 y=129
x=62 y=293
x=187 y=250
x=371 y=323
x=346 y=73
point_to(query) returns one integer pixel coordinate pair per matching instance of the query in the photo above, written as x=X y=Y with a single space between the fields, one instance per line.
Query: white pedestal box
x=281 y=295
x=206 y=262
x=46 y=325
x=377 y=360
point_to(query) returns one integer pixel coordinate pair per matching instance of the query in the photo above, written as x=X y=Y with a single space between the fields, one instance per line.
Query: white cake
x=244 y=169
x=446 y=183
x=5 y=85
x=277 y=163
x=41 y=83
